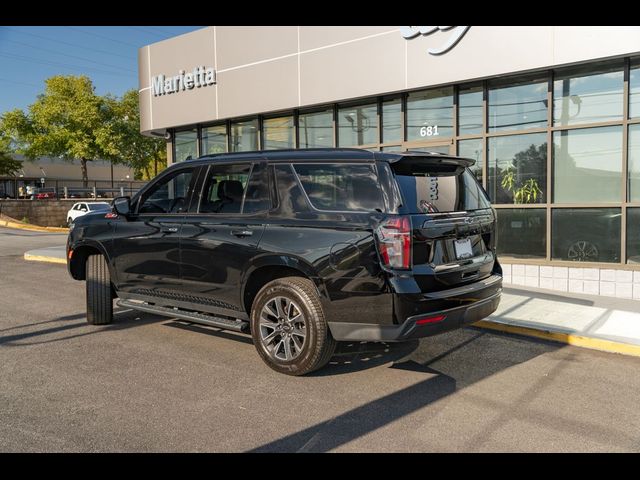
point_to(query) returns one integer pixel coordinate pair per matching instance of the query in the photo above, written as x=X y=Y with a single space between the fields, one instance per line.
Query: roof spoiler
x=431 y=158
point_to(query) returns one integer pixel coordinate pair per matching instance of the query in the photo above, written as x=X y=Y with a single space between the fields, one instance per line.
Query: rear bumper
x=476 y=301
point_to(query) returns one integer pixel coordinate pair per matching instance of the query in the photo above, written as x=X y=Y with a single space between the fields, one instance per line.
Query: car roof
x=332 y=154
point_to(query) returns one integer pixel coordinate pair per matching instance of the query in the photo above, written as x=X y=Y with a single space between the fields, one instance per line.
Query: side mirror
x=122 y=205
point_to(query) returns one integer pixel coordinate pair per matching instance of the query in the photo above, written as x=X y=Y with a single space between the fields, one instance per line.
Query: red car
x=44 y=195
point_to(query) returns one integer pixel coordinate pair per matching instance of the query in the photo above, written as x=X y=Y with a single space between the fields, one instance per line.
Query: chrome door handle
x=242 y=233
x=169 y=229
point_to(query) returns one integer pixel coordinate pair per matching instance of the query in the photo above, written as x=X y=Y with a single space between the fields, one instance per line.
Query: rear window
x=341 y=187
x=438 y=188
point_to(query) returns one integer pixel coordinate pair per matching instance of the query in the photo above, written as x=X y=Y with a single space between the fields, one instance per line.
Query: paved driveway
x=148 y=383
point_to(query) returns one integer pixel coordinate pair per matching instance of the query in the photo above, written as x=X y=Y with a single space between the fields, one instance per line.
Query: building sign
x=200 y=77
x=456 y=35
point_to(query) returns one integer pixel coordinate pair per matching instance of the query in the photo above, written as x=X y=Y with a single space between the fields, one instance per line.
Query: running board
x=195 y=317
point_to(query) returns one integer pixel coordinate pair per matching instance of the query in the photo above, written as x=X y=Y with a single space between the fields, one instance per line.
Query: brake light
x=394 y=241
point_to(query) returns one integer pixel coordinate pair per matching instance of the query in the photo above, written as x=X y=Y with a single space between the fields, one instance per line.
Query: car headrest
x=221 y=189
x=232 y=189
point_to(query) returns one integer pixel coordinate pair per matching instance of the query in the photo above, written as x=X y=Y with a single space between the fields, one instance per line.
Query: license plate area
x=463 y=248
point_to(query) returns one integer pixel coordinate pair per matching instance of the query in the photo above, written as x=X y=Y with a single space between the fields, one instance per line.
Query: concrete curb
x=577 y=340
x=43 y=258
x=33 y=228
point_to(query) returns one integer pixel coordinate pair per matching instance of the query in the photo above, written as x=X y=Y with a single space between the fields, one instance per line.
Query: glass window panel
x=472 y=149
x=391 y=148
x=392 y=121
x=587 y=165
x=278 y=133
x=634 y=163
x=517 y=107
x=430 y=114
x=185 y=145
x=633 y=235
x=244 y=136
x=316 y=129
x=634 y=92
x=586 y=234
x=522 y=232
x=584 y=97
x=224 y=189
x=341 y=187
x=170 y=195
x=517 y=168
x=470 y=111
x=214 y=139
x=358 y=125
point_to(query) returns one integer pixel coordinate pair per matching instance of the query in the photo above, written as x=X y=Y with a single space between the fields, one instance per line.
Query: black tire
x=318 y=344
x=69 y=221
x=99 y=300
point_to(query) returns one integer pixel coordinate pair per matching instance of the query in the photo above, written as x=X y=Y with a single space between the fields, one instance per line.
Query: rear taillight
x=394 y=241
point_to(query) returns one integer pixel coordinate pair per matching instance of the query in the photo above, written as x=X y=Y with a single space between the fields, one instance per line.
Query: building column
x=170 y=159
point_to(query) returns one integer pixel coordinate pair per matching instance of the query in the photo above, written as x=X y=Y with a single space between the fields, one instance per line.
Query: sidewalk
x=48 y=254
x=591 y=321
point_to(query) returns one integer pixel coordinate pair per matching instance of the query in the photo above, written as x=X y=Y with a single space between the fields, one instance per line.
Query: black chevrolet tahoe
x=301 y=248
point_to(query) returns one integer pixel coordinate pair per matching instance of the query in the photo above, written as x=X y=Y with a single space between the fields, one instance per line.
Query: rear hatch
x=451 y=221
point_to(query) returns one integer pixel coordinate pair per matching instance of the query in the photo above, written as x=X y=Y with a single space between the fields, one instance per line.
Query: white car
x=82 y=208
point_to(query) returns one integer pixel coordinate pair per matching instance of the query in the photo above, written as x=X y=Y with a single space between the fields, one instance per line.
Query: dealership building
x=551 y=115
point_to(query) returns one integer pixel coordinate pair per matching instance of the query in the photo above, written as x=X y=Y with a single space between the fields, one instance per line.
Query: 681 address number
x=429 y=131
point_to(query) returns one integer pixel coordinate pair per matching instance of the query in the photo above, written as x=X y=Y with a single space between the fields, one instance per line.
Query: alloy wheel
x=283 y=329
x=583 y=251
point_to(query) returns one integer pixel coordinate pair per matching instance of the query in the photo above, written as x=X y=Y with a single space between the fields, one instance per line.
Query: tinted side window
x=257 y=198
x=224 y=188
x=169 y=195
x=290 y=197
x=341 y=187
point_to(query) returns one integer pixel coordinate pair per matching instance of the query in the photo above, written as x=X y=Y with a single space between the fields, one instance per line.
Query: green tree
x=8 y=166
x=121 y=141
x=63 y=122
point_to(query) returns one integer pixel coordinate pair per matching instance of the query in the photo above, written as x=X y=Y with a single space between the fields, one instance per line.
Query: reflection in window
x=392 y=121
x=518 y=107
x=633 y=235
x=244 y=136
x=341 y=187
x=587 y=165
x=278 y=133
x=634 y=163
x=214 y=139
x=634 y=93
x=470 y=111
x=185 y=145
x=586 y=234
x=430 y=114
x=316 y=129
x=517 y=168
x=522 y=232
x=358 y=125
x=169 y=195
x=472 y=149
x=583 y=97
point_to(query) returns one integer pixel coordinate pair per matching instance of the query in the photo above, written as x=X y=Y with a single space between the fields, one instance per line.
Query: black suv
x=303 y=248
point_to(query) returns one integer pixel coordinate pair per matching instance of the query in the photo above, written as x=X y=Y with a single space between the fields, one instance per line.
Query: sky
x=107 y=55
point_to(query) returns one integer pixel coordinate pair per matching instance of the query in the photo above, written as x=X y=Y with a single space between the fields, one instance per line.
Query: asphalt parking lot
x=148 y=383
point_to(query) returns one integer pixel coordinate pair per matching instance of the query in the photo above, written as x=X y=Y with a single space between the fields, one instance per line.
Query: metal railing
x=31 y=188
